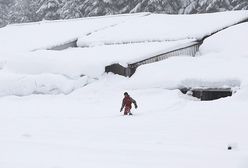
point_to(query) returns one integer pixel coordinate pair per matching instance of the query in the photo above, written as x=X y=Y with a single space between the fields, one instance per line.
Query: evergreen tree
x=217 y=6
x=4 y=12
x=23 y=11
x=18 y=11
x=206 y=6
x=96 y=8
x=49 y=9
x=240 y=4
x=70 y=9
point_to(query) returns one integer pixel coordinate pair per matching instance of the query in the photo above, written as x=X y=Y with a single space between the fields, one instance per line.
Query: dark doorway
x=207 y=94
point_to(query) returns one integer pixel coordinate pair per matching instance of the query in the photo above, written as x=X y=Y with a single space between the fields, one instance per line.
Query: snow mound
x=202 y=71
x=23 y=85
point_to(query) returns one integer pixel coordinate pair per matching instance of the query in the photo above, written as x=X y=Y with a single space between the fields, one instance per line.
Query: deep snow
x=84 y=128
x=46 y=34
x=161 y=27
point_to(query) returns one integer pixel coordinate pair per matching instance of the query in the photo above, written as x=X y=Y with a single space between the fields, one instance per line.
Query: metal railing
x=190 y=49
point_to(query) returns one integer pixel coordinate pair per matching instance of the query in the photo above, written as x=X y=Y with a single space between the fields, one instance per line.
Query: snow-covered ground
x=71 y=117
x=85 y=129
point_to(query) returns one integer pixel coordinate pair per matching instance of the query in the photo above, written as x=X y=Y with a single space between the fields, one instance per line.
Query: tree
x=240 y=4
x=4 y=12
x=70 y=9
x=49 y=9
x=96 y=8
x=218 y=5
x=18 y=11
x=206 y=6
x=23 y=11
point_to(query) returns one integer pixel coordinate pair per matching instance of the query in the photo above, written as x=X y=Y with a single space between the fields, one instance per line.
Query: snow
x=204 y=71
x=85 y=130
x=59 y=110
x=224 y=41
x=23 y=85
x=221 y=63
x=83 y=61
x=46 y=34
x=162 y=27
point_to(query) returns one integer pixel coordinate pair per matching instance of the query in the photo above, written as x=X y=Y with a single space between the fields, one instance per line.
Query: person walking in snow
x=127 y=103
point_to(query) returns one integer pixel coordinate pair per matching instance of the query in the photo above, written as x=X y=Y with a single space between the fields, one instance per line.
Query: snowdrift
x=23 y=85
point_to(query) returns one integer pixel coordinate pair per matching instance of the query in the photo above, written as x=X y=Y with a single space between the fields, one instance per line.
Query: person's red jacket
x=127 y=102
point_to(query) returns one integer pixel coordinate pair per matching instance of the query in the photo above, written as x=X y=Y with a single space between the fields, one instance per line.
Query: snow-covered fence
x=188 y=49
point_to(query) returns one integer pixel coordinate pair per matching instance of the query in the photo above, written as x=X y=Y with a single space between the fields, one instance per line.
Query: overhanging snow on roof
x=206 y=94
x=189 y=49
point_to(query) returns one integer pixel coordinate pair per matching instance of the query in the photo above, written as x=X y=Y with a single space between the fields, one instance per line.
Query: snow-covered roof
x=44 y=34
x=233 y=39
x=91 y=61
x=119 y=29
x=163 y=27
